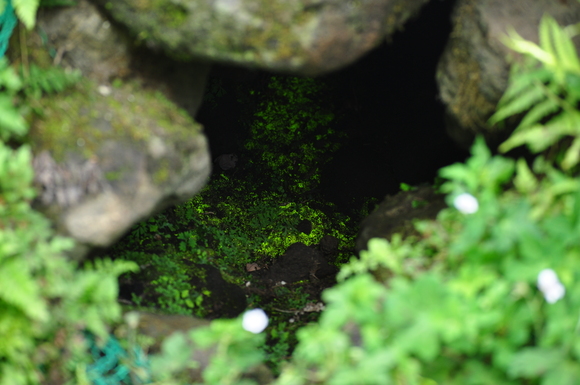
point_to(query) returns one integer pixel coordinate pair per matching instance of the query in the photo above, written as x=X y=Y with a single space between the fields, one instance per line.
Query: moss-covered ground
x=244 y=219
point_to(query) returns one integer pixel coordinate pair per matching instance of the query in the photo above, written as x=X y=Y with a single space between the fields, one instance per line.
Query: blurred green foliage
x=463 y=302
x=47 y=302
x=548 y=95
x=457 y=304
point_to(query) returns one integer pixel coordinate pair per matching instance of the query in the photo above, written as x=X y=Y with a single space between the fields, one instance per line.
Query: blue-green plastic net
x=7 y=24
x=112 y=364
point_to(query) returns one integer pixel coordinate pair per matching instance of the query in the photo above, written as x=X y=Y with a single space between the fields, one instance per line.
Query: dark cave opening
x=390 y=112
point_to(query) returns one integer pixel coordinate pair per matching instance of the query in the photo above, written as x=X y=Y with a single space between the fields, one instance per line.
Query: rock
x=300 y=262
x=82 y=38
x=225 y=300
x=111 y=150
x=473 y=70
x=328 y=245
x=396 y=214
x=306 y=37
x=103 y=163
x=227 y=161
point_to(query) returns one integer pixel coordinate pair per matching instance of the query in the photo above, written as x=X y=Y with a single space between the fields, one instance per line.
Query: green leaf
x=26 y=11
x=20 y=289
x=538 y=138
x=566 y=373
x=533 y=362
x=518 y=104
x=11 y=122
x=525 y=181
x=572 y=156
x=538 y=112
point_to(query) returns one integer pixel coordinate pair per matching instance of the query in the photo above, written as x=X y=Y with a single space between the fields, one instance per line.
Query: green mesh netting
x=112 y=362
x=7 y=24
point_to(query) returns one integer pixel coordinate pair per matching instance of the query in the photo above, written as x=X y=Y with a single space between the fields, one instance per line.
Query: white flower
x=466 y=203
x=255 y=321
x=550 y=285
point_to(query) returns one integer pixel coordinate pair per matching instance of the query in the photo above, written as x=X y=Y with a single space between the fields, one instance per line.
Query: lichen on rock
x=144 y=152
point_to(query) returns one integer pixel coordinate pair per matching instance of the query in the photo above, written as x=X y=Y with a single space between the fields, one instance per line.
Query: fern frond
x=541 y=136
x=520 y=81
x=552 y=90
x=539 y=112
x=26 y=11
x=48 y=80
x=572 y=156
x=519 y=44
x=518 y=104
x=564 y=50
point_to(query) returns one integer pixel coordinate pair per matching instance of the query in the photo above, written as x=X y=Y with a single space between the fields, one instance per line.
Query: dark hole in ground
x=395 y=133
x=393 y=119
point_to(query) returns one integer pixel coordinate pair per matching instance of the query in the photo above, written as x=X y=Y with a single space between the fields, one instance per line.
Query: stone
x=103 y=163
x=112 y=149
x=328 y=245
x=82 y=38
x=303 y=37
x=300 y=262
x=224 y=299
x=227 y=161
x=395 y=214
x=473 y=71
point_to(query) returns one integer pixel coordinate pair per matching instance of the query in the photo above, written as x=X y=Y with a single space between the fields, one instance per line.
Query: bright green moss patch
x=291 y=134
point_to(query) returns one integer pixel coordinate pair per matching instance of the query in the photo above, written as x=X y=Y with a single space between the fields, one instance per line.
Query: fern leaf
x=519 y=82
x=519 y=104
x=11 y=121
x=538 y=112
x=519 y=44
x=565 y=51
x=26 y=11
x=49 y=80
x=547 y=25
x=572 y=156
x=537 y=137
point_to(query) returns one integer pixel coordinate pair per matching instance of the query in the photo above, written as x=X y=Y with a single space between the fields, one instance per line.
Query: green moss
x=162 y=174
x=290 y=134
x=113 y=175
x=80 y=120
x=173 y=15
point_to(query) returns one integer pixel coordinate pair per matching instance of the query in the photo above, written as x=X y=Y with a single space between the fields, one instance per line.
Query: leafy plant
x=486 y=295
x=548 y=94
x=47 y=80
x=459 y=303
x=12 y=124
x=47 y=302
x=235 y=351
x=25 y=10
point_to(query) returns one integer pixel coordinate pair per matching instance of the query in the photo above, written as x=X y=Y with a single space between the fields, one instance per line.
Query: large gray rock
x=106 y=158
x=109 y=151
x=473 y=71
x=307 y=37
x=81 y=37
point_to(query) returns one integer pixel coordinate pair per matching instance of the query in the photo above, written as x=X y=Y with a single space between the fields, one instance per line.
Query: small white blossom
x=555 y=293
x=466 y=203
x=255 y=321
x=104 y=90
x=550 y=285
